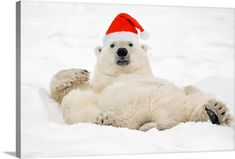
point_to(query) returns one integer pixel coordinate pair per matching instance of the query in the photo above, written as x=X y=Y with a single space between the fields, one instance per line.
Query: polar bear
x=124 y=93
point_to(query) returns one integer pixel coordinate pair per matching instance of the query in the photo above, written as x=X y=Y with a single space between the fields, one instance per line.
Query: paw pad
x=218 y=112
x=104 y=118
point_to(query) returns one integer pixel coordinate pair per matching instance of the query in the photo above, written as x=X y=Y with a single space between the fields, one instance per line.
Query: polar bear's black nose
x=122 y=52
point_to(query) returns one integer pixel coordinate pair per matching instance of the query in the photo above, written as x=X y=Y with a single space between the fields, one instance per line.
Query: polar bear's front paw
x=218 y=112
x=73 y=81
x=71 y=78
x=105 y=118
x=66 y=80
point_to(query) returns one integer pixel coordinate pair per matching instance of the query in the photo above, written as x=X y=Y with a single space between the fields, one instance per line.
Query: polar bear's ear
x=145 y=47
x=98 y=50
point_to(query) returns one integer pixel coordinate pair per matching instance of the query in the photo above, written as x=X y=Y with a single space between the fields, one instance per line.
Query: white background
x=7 y=116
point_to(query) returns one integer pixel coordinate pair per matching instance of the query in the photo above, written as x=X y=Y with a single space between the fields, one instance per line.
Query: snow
x=187 y=46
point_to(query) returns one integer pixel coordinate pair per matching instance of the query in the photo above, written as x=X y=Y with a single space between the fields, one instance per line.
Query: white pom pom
x=144 y=35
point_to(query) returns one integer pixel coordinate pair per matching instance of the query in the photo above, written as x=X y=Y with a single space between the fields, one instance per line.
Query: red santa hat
x=124 y=27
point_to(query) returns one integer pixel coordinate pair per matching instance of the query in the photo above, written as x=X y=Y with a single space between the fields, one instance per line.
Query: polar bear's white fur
x=130 y=96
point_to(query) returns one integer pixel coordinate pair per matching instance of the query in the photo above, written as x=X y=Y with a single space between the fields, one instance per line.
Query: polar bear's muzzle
x=122 y=57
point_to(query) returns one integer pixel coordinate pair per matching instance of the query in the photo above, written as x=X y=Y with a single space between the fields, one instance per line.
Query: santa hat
x=124 y=27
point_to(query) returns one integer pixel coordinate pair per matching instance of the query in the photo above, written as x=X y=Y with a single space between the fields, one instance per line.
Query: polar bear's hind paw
x=213 y=117
x=147 y=126
x=218 y=112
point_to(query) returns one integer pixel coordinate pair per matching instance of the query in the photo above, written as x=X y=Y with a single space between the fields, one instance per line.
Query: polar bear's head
x=122 y=57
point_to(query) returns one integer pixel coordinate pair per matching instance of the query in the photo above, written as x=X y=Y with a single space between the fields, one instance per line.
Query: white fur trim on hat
x=120 y=36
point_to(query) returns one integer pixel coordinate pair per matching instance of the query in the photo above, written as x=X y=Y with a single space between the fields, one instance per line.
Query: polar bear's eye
x=112 y=45
x=130 y=44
